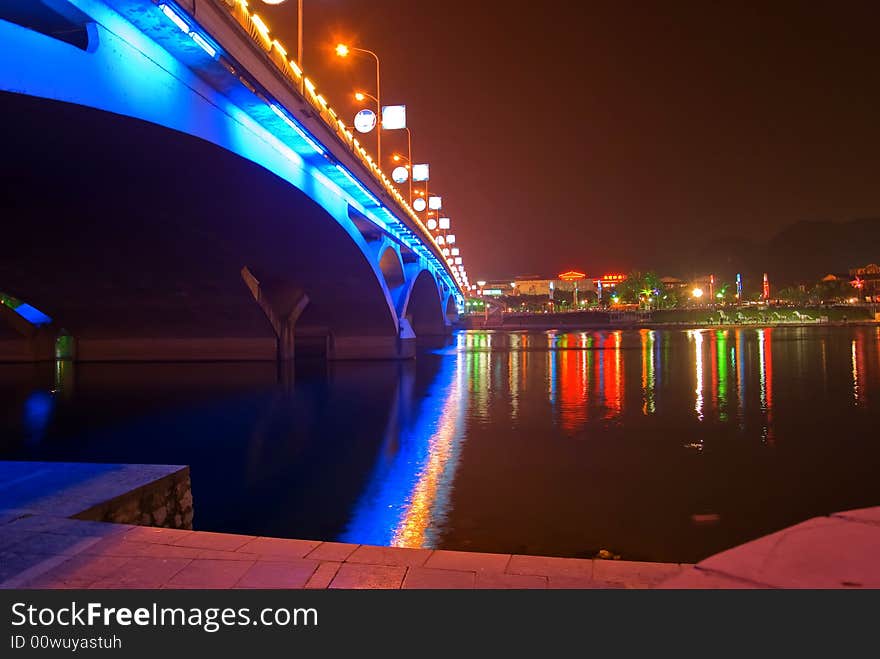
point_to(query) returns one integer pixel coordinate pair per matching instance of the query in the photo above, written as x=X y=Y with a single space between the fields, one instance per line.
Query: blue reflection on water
x=37 y=415
x=407 y=496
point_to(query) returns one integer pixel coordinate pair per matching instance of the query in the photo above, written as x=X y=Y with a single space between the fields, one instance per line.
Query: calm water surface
x=539 y=443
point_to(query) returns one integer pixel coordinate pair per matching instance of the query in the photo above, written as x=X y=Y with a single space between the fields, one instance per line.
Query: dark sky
x=598 y=135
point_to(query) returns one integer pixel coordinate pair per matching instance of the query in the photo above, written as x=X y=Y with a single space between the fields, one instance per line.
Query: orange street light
x=342 y=50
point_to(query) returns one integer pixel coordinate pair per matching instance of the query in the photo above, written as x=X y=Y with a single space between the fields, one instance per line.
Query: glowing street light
x=408 y=159
x=697 y=293
x=343 y=50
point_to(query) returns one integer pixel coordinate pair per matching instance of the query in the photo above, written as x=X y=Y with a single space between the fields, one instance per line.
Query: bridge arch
x=424 y=306
x=392 y=268
x=160 y=277
x=451 y=309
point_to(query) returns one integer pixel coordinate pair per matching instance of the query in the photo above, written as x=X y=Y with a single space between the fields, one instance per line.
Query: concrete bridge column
x=22 y=341
x=282 y=302
x=402 y=346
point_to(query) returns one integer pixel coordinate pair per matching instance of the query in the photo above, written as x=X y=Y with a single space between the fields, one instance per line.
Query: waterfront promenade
x=46 y=552
x=41 y=546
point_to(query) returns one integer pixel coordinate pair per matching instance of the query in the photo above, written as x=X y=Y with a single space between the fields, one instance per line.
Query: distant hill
x=801 y=252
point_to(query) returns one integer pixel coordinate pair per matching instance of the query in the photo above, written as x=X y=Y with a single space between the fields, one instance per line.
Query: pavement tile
x=209 y=573
x=427 y=578
x=864 y=515
x=399 y=556
x=696 y=579
x=143 y=572
x=154 y=534
x=53 y=544
x=85 y=568
x=579 y=583
x=496 y=581
x=211 y=540
x=17 y=569
x=65 y=526
x=278 y=574
x=825 y=552
x=10 y=515
x=633 y=574
x=464 y=560
x=117 y=546
x=223 y=555
x=351 y=576
x=323 y=575
x=332 y=551
x=56 y=584
x=549 y=566
x=9 y=536
x=278 y=547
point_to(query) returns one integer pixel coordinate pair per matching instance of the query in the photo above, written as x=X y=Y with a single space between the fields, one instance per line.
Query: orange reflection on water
x=765 y=362
x=432 y=489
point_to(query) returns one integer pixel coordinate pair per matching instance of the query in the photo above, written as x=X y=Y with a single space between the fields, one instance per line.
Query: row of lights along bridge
x=407 y=171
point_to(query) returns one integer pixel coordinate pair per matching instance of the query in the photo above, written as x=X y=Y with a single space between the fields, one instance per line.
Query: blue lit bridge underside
x=157 y=207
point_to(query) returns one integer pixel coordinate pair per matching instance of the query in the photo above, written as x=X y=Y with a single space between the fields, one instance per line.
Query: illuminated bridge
x=174 y=188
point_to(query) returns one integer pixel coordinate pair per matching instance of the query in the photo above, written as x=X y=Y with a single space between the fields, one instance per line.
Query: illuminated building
x=673 y=283
x=866 y=281
x=536 y=285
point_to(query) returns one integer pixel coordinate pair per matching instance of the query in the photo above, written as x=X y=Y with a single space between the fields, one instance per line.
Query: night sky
x=599 y=135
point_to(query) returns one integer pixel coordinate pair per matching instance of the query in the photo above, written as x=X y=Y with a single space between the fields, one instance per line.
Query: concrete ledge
x=371 y=347
x=157 y=495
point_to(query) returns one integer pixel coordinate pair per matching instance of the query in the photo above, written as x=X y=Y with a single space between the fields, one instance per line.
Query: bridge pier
x=282 y=302
x=20 y=341
x=320 y=342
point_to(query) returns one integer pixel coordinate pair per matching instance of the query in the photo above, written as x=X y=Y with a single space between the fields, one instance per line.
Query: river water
x=665 y=445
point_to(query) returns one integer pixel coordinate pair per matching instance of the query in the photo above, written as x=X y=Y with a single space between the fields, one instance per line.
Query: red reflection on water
x=573 y=388
x=613 y=384
x=765 y=345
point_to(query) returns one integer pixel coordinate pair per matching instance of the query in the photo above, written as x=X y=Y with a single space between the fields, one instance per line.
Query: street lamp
x=299 y=29
x=397 y=158
x=342 y=50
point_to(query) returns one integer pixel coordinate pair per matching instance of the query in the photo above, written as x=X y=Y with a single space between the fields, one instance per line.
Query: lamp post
x=343 y=50
x=360 y=96
x=408 y=159
x=299 y=30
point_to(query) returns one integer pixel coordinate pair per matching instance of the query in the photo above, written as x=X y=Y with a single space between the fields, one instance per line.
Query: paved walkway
x=40 y=551
x=41 y=546
x=838 y=551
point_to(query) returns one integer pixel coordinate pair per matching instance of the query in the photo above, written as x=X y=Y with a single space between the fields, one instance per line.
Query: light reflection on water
x=537 y=442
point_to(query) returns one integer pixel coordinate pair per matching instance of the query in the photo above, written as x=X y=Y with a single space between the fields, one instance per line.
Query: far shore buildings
x=867 y=281
x=542 y=286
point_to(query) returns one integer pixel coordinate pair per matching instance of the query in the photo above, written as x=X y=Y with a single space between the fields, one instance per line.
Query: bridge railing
x=301 y=85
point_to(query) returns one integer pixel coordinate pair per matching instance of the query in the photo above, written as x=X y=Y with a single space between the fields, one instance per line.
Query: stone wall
x=166 y=502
